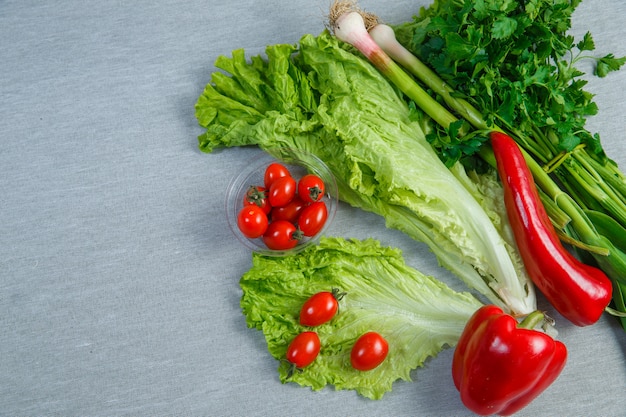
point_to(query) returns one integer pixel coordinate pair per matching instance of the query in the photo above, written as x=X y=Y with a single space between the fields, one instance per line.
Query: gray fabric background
x=118 y=274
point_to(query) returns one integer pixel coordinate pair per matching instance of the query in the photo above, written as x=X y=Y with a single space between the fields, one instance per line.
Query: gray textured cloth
x=118 y=274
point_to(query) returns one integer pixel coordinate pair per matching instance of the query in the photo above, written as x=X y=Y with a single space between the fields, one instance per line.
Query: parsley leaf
x=586 y=44
x=609 y=63
x=503 y=27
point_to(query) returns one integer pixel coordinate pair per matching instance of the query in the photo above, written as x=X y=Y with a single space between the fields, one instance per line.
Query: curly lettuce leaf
x=321 y=98
x=418 y=315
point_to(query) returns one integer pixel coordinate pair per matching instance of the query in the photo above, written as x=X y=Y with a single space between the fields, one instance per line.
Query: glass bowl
x=299 y=163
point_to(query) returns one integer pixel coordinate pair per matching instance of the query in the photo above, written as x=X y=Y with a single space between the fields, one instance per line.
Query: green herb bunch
x=515 y=61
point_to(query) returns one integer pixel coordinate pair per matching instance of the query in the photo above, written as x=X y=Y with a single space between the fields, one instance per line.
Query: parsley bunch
x=515 y=61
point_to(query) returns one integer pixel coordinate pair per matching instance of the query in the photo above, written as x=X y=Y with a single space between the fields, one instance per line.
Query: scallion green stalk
x=385 y=37
x=349 y=26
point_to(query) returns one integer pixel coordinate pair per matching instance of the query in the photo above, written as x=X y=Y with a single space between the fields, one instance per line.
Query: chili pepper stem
x=615 y=312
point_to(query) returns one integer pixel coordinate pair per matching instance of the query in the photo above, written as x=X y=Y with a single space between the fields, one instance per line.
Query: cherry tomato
x=320 y=308
x=312 y=218
x=280 y=235
x=303 y=349
x=282 y=191
x=274 y=171
x=311 y=188
x=289 y=212
x=252 y=221
x=369 y=351
x=256 y=195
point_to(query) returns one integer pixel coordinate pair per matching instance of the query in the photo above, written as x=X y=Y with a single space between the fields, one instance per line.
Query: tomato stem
x=338 y=294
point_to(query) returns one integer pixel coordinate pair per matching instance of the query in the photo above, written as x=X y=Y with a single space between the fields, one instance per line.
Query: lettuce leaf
x=321 y=98
x=418 y=315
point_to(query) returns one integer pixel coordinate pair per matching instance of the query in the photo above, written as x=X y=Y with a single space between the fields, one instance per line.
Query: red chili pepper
x=579 y=292
x=499 y=367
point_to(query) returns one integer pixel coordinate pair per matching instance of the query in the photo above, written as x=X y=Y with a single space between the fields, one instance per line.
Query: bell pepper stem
x=532 y=320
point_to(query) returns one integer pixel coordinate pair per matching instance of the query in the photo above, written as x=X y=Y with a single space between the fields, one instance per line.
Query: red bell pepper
x=578 y=291
x=499 y=366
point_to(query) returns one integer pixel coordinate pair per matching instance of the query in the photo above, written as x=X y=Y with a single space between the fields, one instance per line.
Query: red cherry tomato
x=369 y=351
x=252 y=221
x=274 y=171
x=280 y=235
x=256 y=195
x=303 y=349
x=282 y=191
x=312 y=218
x=320 y=308
x=289 y=212
x=311 y=188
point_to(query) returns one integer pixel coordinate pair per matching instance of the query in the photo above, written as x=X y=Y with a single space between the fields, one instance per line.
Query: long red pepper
x=579 y=292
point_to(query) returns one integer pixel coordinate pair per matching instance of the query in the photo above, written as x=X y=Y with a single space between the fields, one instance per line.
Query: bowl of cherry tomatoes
x=279 y=205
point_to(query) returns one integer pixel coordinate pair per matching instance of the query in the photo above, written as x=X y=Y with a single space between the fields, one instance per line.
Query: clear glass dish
x=299 y=163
